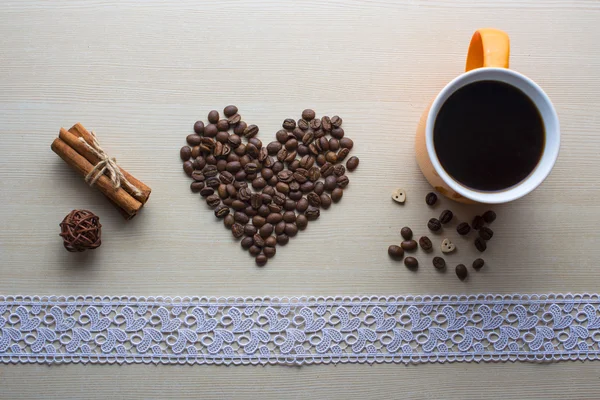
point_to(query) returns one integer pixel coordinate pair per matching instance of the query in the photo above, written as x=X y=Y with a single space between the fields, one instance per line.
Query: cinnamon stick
x=120 y=197
x=71 y=138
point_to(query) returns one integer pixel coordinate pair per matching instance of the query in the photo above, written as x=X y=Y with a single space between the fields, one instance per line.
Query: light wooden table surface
x=140 y=74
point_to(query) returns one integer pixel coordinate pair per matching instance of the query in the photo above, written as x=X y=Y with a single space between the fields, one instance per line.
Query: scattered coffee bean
x=303 y=124
x=239 y=128
x=337 y=194
x=221 y=211
x=446 y=216
x=339 y=170
x=254 y=250
x=210 y=131
x=314 y=199
x=185 y=153
x=406 y=233
x=196 y=186
x=463 y=228
x=434 y=225
x=206 y=191
x=213 y=116
x=247 y=242
x=223 y=125
x=237 y=230
x=336 y=121
x=431 y=198
x=308 y=114
x=327 y=169
x=486 y=233
x=461 y=272
x=269 y=251
x=199 y=127
x=282 y=239
x=193 y=139
x=312 y=213
x=325 y=201
x=291 y=230
x=399 y=196
x=477 y=222
x=396 y=252
x=478 y=264
x=480 y=244
x=230 y=110
x=352 y=163
x=289 y=124
x=439 y=263
x=315 y=125
x=447 y=246
x=342 y=181
x=250 y=131
x=425 y=243
x=213 y=200
x=330 y=183
x=489 y=216
x=409 y=245
x=261 y=260
x=411 y=263
x=229 y=220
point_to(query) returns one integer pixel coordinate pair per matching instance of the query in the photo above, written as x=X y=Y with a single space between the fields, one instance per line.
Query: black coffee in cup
x=489 y=135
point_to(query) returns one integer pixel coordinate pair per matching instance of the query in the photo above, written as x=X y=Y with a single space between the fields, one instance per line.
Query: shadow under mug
x=487 y=60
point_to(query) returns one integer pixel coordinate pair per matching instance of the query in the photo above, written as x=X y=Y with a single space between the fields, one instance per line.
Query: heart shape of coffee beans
x=266 y=194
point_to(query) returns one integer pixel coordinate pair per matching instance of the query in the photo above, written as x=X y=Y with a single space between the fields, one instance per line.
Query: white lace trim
x=299 y=330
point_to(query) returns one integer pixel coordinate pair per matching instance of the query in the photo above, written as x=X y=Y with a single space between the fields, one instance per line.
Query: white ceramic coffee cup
x=551 y=128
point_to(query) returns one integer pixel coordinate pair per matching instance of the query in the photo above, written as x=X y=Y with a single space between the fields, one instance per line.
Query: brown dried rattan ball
x=81 y=230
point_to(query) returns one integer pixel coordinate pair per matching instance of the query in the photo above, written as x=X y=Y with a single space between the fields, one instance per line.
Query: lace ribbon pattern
x=299 y=330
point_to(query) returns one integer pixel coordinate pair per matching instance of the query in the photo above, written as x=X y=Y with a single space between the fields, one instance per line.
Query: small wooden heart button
x=447 y=246
x=399 y=196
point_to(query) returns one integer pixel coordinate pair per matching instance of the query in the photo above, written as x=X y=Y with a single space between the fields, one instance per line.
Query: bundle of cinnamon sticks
x=128 y=199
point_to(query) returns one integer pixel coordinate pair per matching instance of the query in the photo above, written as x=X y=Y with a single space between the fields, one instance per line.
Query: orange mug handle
x=489 y=48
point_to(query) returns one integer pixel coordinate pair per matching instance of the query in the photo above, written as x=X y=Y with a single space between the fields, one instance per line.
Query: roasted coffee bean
x=239 y=128
x=254 y=250
x=300 y=177
x=266 y=230
x=199 y=163
x=212 y=182
x=434 y=224
x=221 y=211
x=303 y=124
x=258 y=221
x=256 y=200
x=334 y=144
x=294 y=165
x=228 y=221
x=439 y=263
x=302 y=149
x=312 y=149
x=326 y=123
x=294 y=186
x=327 y=170
x=247 y=242
x=274 y=218
x=282 y=136
x=315 y=124
x=206 y=191
x=291 y=230
x=285 y=176
x=193 y=139
x=425 y=243
x=250 y=131
x=213 y=200
x=342 y=154
x=308 y=114
x=489 y=216
x=226 y=177
x=282 y=187
x=308 y=138
x=269 y=190
x=185 y=153
x=266 y=173
x=463 y=228
x=320 y=160
x=237 y=230
x=342 y=181
x=240 y=150
x=339 y=170
x=306 y=162
x=259 y=183
x=238 y=205
x=199 y=127
x=319 y=188
x=431 y=198
x=478 y=264
x=196 y=152
x=312 y=213
x=322 y=144
x=477 y=222
x=289 y=205
x=336 y=121
x=252 y=151
x=337 y=194
x=271 y=241
x=346 y=143
x=241 y=217
x=411 y=263
x=279 y=199
x=396 y=252
x=218 y=150
x=289 y=217
x=337 y=133
x=289 y=124
x=210 y=131
x=295 y=195
x=198 y=176
x=243 y=194
x=263 y=154
x=319 y=133
x=291 y=144
x=446 y=216
x=461 y=272
x=233 y=192
x=234 y=120
x=330 y=183
x=233 y=167
x=196 y=186
x=406 y=233
x=307 y=187
x=250 y=168
x=331 y=157
x=266 y=198
x=213 y=116
x=325 y=201
x=273 y=148
x=250 y=230
x=222 y=125
x=280 y=227
x=301 y=222
x=486 y=233
x=264 y=211
x=282 y=239
x=259 y=240
x=282 y=155
x=302 y=205
x=480 y=244
x=230 y=110
x=221 y=165
x=314 y=199
x=211 y=160
x=269 y=251
x=409 y=245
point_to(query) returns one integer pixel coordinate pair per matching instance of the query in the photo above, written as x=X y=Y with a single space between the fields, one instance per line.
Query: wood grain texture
x=140 y=73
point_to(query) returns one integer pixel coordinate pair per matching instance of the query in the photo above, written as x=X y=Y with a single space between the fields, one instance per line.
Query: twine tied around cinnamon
x=106 y=165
